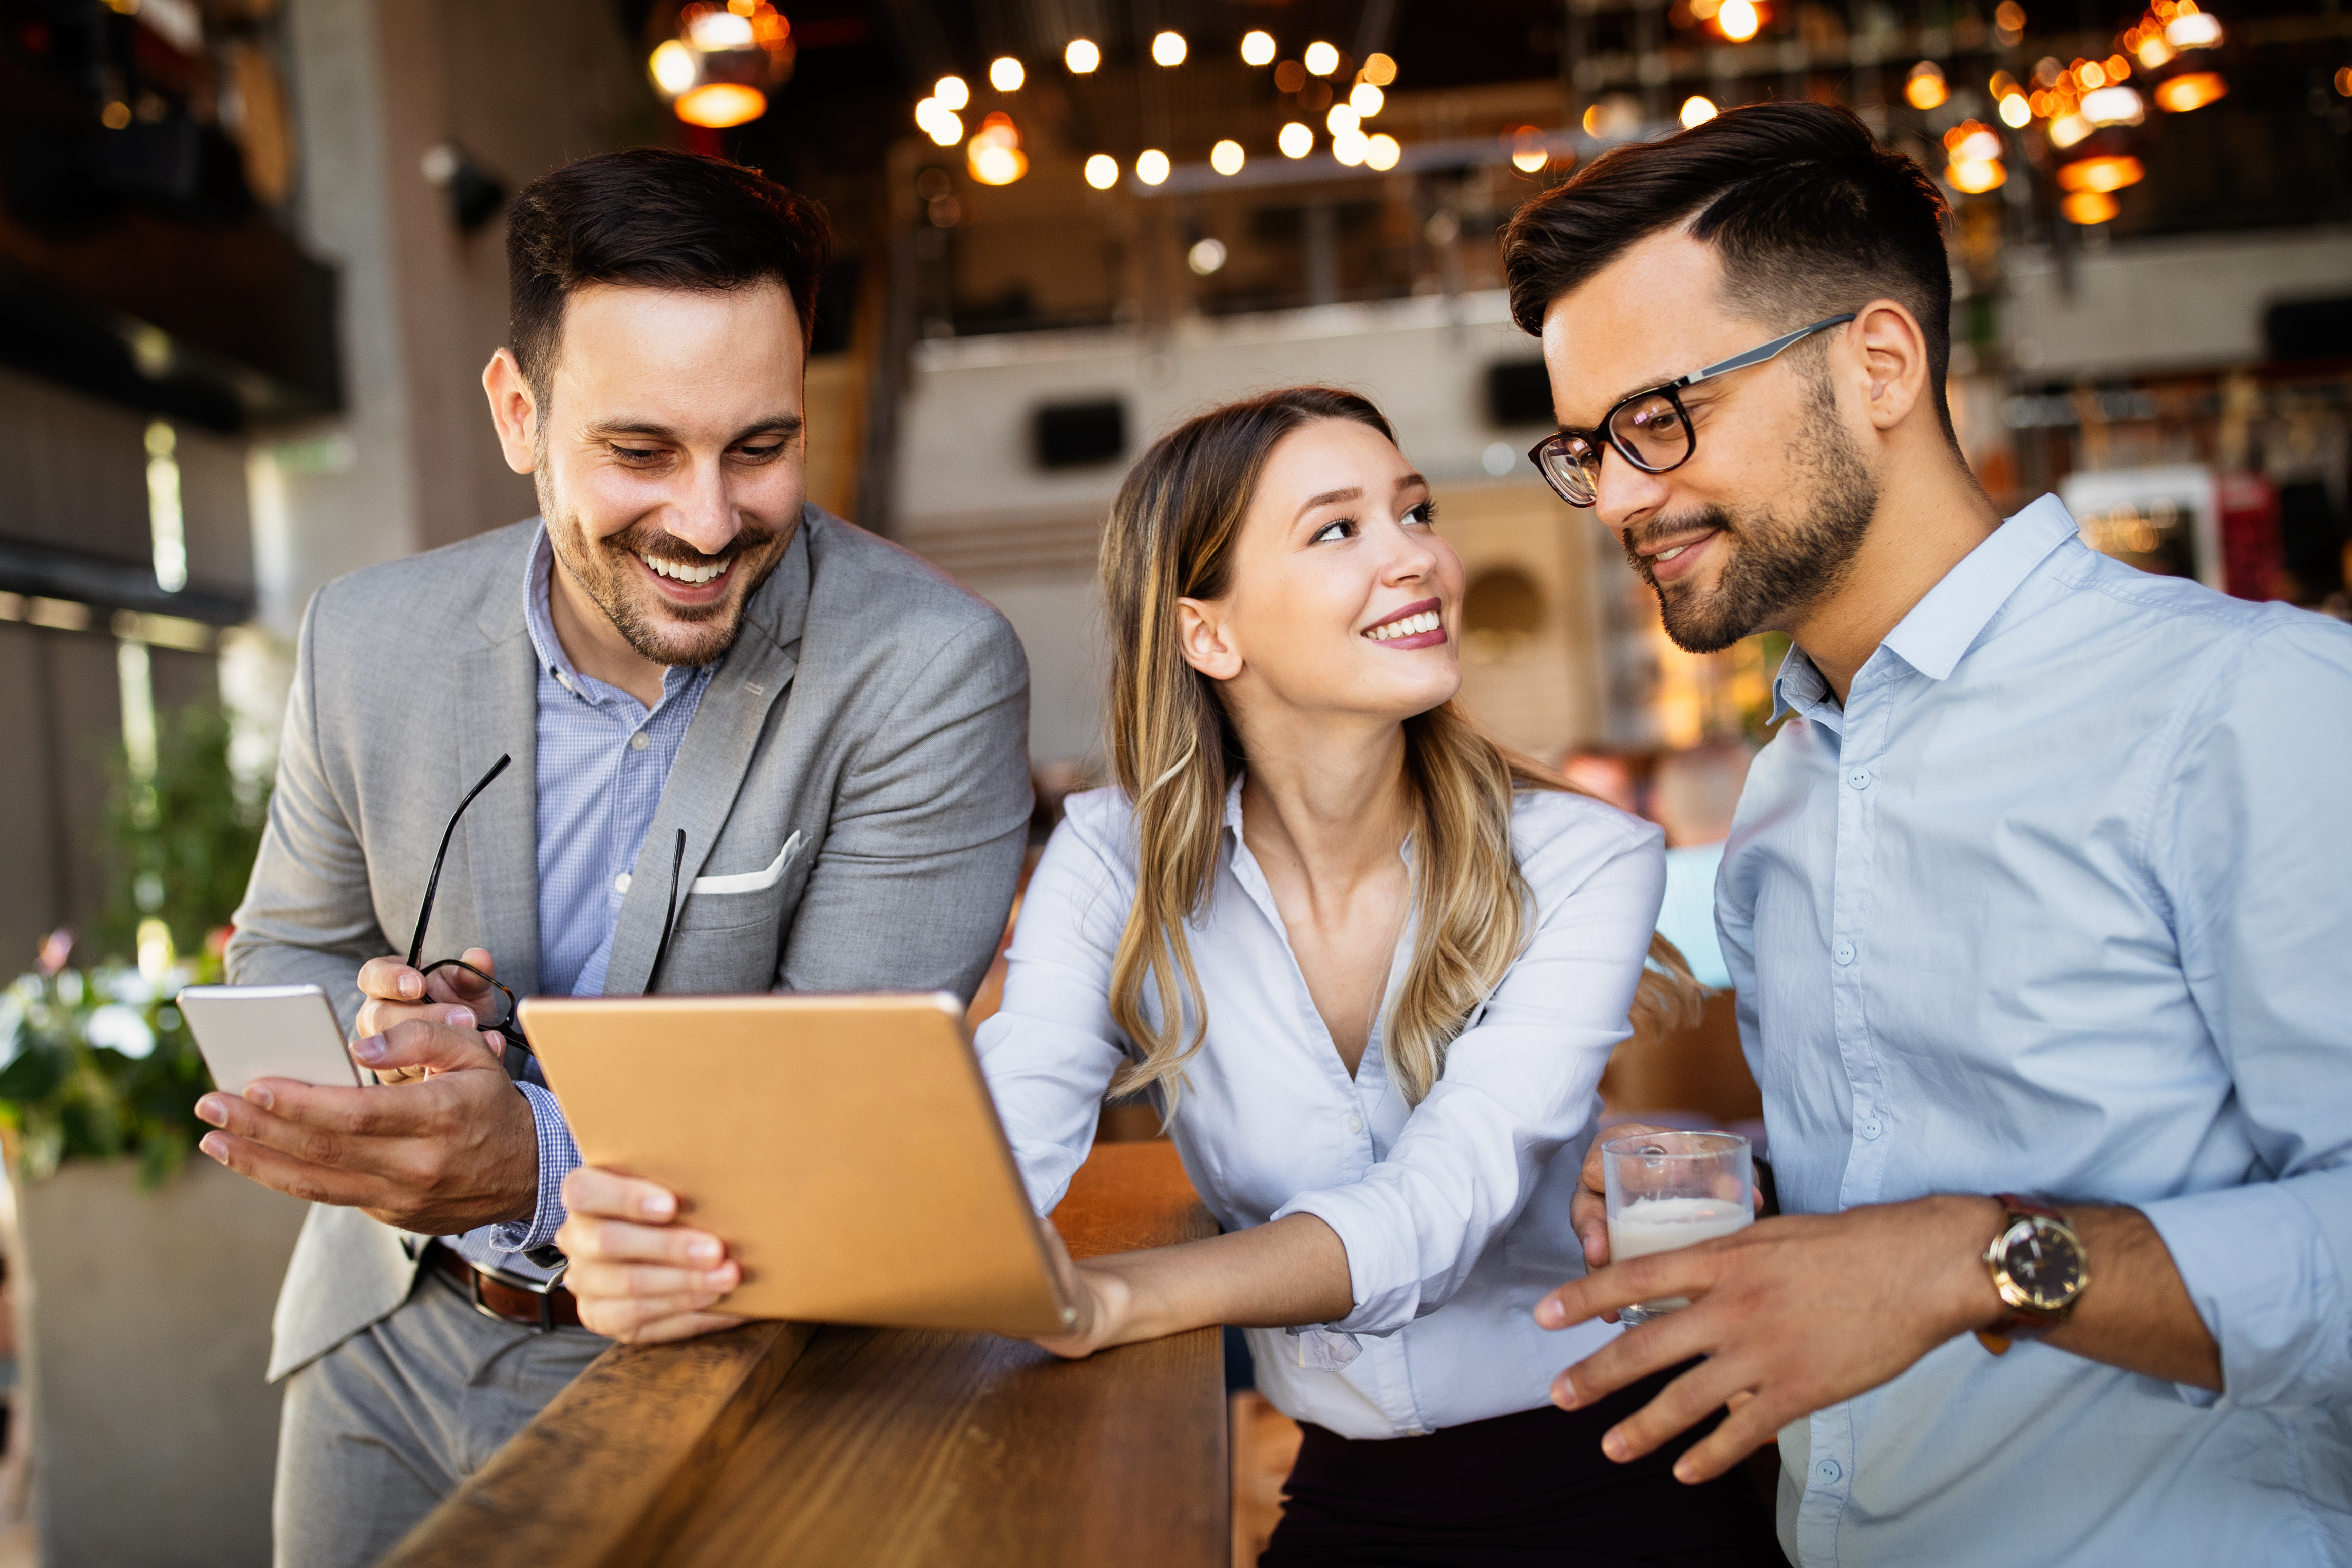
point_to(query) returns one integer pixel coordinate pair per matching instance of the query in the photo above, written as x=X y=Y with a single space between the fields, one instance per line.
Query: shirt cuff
x=2260 y=1262
x=559 y=1156
x=1384 y=1280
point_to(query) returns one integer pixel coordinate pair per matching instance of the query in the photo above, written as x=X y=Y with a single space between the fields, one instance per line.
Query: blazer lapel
x=500 y=685
x=712 y=761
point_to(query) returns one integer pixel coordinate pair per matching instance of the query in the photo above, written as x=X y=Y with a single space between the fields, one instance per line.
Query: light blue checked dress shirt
x=603 y=757
x=2058 y=903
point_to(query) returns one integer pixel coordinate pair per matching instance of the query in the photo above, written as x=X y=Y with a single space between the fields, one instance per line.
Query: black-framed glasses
x=1651 y=429
x=506 y=1022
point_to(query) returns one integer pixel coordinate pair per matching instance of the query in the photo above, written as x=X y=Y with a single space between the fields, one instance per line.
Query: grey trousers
x=380 y=1429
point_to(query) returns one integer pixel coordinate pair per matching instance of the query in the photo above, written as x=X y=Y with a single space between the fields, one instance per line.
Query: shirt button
x=1859 y=778
x=1829 y=1471
x=1355 y=1124
x=1872 y=1128
x=637 y=742
x=1843 y=953
x=621 y=882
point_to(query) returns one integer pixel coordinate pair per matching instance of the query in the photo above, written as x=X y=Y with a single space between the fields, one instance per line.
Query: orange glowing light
x=716 y=105
x=2195 y=90
x=1924 y=89
x=2089 y=207
x=1737 y=20
x=2108 y=172
x=1976 y=175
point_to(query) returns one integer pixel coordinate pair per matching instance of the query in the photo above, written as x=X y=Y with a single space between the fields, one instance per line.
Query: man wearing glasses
x=2024 y=905
x=683 y=733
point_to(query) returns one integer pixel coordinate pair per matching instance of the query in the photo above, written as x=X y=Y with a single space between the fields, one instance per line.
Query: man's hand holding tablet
x=640 y=1279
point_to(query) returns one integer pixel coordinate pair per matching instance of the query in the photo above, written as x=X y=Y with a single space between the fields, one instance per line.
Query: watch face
x=2045 y=1262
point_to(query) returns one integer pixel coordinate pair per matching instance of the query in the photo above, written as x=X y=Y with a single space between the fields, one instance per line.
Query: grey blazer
x=872 y=716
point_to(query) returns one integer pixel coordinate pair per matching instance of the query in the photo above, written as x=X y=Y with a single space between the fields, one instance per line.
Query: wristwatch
x=2038 y=1267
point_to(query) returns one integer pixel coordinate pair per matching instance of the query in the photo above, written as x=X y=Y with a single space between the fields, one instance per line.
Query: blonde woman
x=1370 y=970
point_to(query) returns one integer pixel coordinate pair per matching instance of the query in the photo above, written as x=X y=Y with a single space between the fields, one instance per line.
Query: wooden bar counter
x=792 y=1443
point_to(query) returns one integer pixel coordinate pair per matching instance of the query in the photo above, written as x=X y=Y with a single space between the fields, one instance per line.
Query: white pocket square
x=743 y=880
x=752 y=880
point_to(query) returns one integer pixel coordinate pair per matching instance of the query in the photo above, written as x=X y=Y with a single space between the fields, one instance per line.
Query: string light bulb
x=1168 y=49
x=994 y=156
x=1296 y=141
x=1737 y=20
x=1102 y=170
x=1227 y=157
x=2197 y=88
x=1379 y=69
x=1382 y=150
x=1006 y=74
x=1924 y=89
x=1151 y=166
x=1366 y=100
x=1257 y=48
x=1696 y=111
x=1320 y=58
x=1081 y=56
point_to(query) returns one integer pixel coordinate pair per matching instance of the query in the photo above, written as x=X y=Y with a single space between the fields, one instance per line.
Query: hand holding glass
x=1667 y=1190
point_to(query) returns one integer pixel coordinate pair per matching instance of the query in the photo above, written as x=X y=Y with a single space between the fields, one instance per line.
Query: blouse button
x=1355 y=1124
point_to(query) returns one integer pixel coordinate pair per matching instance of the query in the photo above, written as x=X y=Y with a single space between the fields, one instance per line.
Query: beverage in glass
x=1667 y=1190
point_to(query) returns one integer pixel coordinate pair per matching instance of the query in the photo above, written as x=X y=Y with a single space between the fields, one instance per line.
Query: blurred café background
x=251 y=265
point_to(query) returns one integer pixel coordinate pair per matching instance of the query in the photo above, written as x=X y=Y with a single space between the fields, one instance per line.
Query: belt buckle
x=477 y=1272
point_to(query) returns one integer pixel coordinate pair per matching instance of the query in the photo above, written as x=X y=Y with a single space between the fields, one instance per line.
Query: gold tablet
x=845 y=1147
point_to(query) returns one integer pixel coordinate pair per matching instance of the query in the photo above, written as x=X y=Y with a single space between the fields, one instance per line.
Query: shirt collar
x=540 y=620
x=1947 y=621
x=1943 y=626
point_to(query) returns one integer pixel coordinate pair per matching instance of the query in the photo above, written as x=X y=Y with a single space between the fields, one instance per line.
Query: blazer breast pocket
x=730 y=900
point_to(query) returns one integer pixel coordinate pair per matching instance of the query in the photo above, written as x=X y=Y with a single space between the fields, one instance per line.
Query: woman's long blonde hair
x=1175 y=751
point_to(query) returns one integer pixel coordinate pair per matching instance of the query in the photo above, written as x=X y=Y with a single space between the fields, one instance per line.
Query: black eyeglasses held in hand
x=505 y=1023
x=1651 y=429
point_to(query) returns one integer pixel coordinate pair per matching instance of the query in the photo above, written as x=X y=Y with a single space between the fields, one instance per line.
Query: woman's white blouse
x=1454 y=1215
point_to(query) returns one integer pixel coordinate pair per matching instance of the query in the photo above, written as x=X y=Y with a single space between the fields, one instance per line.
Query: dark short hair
x=1808 y=213
x=652 y=218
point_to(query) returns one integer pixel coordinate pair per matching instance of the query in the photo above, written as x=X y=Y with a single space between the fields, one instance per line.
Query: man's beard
x=648 y=623
x=1772 y=567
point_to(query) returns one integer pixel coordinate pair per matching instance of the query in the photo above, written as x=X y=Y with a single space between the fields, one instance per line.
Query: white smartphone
x=268 y=1031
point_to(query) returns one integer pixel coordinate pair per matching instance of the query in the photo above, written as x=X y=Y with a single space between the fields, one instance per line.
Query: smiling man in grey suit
x=753 y=748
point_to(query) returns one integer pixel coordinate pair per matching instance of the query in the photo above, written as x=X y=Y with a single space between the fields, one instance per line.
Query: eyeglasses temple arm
x=1757 y=356
x=433 y=883
x=670 y=919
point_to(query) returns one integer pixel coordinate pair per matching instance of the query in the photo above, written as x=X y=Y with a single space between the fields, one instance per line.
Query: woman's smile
x=1420 y=624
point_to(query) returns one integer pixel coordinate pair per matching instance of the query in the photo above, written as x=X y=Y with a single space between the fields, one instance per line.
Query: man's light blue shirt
x=603 y=760
x=2057 y=902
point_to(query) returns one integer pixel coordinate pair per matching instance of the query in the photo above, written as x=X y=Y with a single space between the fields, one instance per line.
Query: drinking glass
x=1674 y=1189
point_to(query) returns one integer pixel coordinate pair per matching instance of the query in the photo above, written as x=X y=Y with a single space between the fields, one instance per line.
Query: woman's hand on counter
x=639 y=1278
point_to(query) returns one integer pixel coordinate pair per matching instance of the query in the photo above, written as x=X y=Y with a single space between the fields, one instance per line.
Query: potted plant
x=144 y=1280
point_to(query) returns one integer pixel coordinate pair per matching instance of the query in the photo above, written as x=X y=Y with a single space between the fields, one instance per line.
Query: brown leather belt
x=506 y=1296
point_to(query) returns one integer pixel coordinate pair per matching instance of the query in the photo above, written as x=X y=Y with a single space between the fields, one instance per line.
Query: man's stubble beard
x=1774 y=569
x=599 y=568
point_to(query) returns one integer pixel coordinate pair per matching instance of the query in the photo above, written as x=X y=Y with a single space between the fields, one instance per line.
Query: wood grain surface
x=780 y=1443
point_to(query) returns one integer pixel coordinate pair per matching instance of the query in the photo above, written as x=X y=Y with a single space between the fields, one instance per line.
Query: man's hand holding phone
x=442 y=1145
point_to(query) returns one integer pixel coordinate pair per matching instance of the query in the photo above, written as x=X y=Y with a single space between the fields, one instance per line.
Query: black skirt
x=1528 y=1491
